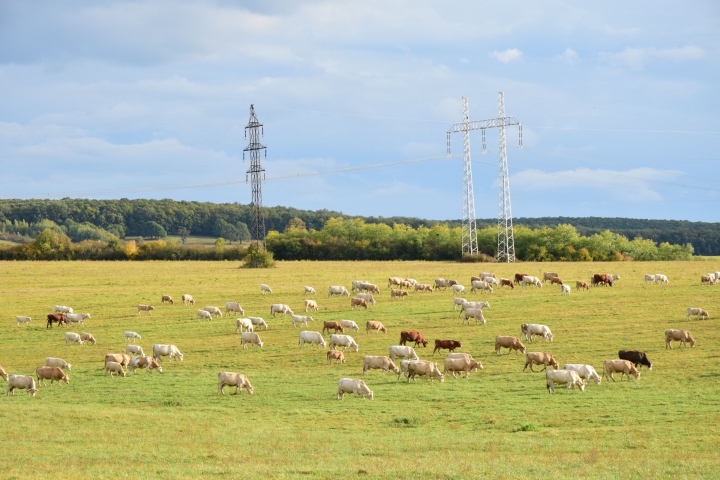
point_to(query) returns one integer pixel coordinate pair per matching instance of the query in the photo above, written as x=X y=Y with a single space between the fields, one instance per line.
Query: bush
x=258 y=257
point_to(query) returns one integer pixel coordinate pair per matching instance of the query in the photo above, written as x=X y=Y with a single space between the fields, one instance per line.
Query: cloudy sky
x=619 y=103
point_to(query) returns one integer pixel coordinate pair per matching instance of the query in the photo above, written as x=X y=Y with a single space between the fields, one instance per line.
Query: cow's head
x=66 y=379
x=249 y=388
x=581 y=385
x=32 y=391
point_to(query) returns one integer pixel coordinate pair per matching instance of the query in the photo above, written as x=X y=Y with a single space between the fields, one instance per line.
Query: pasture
x=500 y=422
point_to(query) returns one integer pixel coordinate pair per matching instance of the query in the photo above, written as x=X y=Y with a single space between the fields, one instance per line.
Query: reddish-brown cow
x=412 y=336
x=519 y=277
x=58 y=318
x=449 y=345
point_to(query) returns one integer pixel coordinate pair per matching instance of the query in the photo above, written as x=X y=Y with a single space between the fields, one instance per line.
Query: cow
x=338 y=290
x=87 y=338
x=660 y=278
x=114 y=367
x=367 y=297
x=697 y=311
x=565 y=289
x=311 y=305
x=214 y=311
x=279 y=308
x=580 y=285
x=484 y=275
x=356 y=284
x=519 y=276
x=160 y=350
x=264 y=289
x=458 y=301
x=406 y=284
x=475 y=313
x=683 y=336
x=556 y=281
x=429 y=370
x=402 y=352
x=457 y=288
x=233 y=307
x=530 y=280
x=232 y=379
x=301 y=319
x=345 y=341
x=394 y=281
x=481 y=285
x=313 y=338
x=349 y=324
x=602 y=279
x=530 y=329
x=121 y=358
x=568 y=377
x=468 y=305
x=334 y=326
x=3 y=373
x=379 y=362
x=72 y=338
x=358 y=302
x=377 y=326
x=145 y=308
x=504 y=282
x=134 y=350
x=142 y=361
x=586 y=372
x=57 y=362
x=336 y=355
x=398 y=294
x=619 y=366
x=708 y=279
x=443 y=283
x=636 y=357
x=204 y=314
x=58 y=318
x=250 y=338
x=310 y=290
x=449 y=345
x=650 y=278
x=20 y=319
x=50 y=373
x=463 y=364
x=131 y=336
x=540 y=358
x=188 y=299
x=258 y=322
x=411 y=281
x=356 y=387
x=369 y=288
x=21 y=382
x=243 y=323
x=412 y=336
x=549 y=276
x=423 y=287
x=511 y=343
x=167 y=298
x=62 y=309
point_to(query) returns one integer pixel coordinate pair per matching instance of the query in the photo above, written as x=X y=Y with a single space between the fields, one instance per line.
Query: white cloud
x=569 y=55
x=636 y=58
x=464 y=60
x=507 y=56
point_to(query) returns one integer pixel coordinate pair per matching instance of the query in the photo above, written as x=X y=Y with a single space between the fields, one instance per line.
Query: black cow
x=636 y=357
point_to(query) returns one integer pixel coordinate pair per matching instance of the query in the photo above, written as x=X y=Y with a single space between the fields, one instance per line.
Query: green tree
x=52 y=245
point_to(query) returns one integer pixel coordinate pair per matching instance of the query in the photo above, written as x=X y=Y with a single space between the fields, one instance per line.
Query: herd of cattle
x=572 y=375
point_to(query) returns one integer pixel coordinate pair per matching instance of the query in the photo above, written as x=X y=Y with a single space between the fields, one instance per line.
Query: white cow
x=377 y=362
x=356 y=284
x=160 y=350
x=204 y=314
x=697 y=311
x=257 y=321
x=72 y=338
x=62 y=309
x=143 y=362
x=443 y=283
x=367 y=297
x=245 y=323
x=264 y=288
x=188 y=299
x=233 y=307
x=531 y=329
x=313 y=338
x=338 y=290
x=475 y=313
x=301 y=319
x=21 y=382
x=566 y=377
x=131 y=336
x=650 y=278
x=565 y=289
x=467 y=305
x=20 y=319
x=486 y=275
x=279 y=308
x=349 y=324
x=458 y=289
x=717 y=276
x=345 y=341
x=356 y=387
x=492 y=281
x=403 y=351
x=77 y=317
x=660 y=278
x=530 y=280
x=214 y=311
x=311 y=305
x=309 y=290
x=134 y=350
x=586 y=372
x=232 y=379
x=458 y=301
x=481 y=285
x=251 y=338
x=57 y=362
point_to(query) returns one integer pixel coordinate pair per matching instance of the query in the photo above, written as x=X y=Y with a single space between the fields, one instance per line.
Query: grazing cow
x=310 y=290
x=356 y=284
x=301 y=319
x=624 y=367
x=134 y=350
x=511 y=343
x=188 y=299
x=336 y=355
x=313 y=338
x=369 y=288
x=78 y=318
x=232 y=307
x=264 y=289
x=565 y=289
x=394 y=281
x=57 y=362
x=243 y=323
x=398 y=293
x=54 y=374
x=461 y=364
x=580 y=285
x=660 y=278
x=429 y=370
x=131 y=336
x=232 y=379
x=72 y=338
x=204 y=314
x=449 y=345
x=58 y=318
x=213 y=311
x=481 y=285
x=683 y=336
x=250 y=338
x=21 y=382
x=145 y=308
x=377 y=326
x=444 y=284
x=311 y=305
x=279 y=308
x=338 y=290
x=160 y=350
x=379 y=362
x=540 y=358
x=530 y=280
x=20 y=319
x=3 y=373
x=114 y=367
x=549 y=276
x=258 y=322
x=556 y=281
x=708 y=279
x=492 y=281
x=602 y=279
x=423 y=287
x=358 y=302
x=530 y=329
x=519 y=277
x=367 y=297
x=484 y=275
x=568 y=377
x=468 y=305
x=167 y=298
x=62 y=309
x=586 y=372
x=334 y=326
x=402 y=352
x=147 y=363
x=504 y=282
x=349 y=324
x=411 y=281
x=345 y=341
x=690 y=312
x=412 y=336
x=457 y=288
x=87 y=338
x=356 y=387
x=636 y=357
x=475 y=313
x=650 y=278
x=120 y=358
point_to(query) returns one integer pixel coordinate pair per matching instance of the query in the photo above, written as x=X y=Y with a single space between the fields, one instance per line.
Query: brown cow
x=580 y=285
x=122 y=358
x=58 y=318
x=412 y=336
x=358 y=302
x=87 y=337
x=398 y=293
x=504 y=282
x=336 y=355
x=519 y=277
x=52 y=374
x=602 y=279
x=332 y=326
x=167 y=298
x=449 y=345
x=377 y=326
x=555 y=280
x=147 y=363
x=539 y=358
x=511 y=343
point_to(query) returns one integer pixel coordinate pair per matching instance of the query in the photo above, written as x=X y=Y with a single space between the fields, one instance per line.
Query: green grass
x=500 y=423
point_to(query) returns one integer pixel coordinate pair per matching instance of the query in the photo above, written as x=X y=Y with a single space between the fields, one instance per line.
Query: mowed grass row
x=500 y=422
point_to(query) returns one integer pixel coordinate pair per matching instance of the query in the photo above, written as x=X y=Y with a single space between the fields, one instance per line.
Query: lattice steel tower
x=257 y=229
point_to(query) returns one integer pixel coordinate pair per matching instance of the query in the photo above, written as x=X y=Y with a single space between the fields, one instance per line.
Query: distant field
x=500 y=423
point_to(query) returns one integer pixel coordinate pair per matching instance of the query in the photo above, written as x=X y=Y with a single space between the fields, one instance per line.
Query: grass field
x=500 y=423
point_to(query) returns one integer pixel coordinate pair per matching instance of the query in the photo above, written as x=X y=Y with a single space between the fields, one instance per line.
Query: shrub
x=258 y=257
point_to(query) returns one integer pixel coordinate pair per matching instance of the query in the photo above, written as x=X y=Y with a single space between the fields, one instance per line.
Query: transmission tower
x=257 y=229
x=506 y=240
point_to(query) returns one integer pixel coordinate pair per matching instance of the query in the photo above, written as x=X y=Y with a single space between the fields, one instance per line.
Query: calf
x=504 y=282
x=336 y=355
x=511 y=343
x=620 y=366
x=636 y=357
x=449 y=345
x=539 y=358
x=334 y=326
x=412 y=336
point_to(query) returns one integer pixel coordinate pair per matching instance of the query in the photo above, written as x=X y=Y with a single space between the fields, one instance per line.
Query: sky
x=619 y=103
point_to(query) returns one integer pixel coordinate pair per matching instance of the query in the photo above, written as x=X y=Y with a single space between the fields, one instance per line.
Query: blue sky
x=619 y=103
